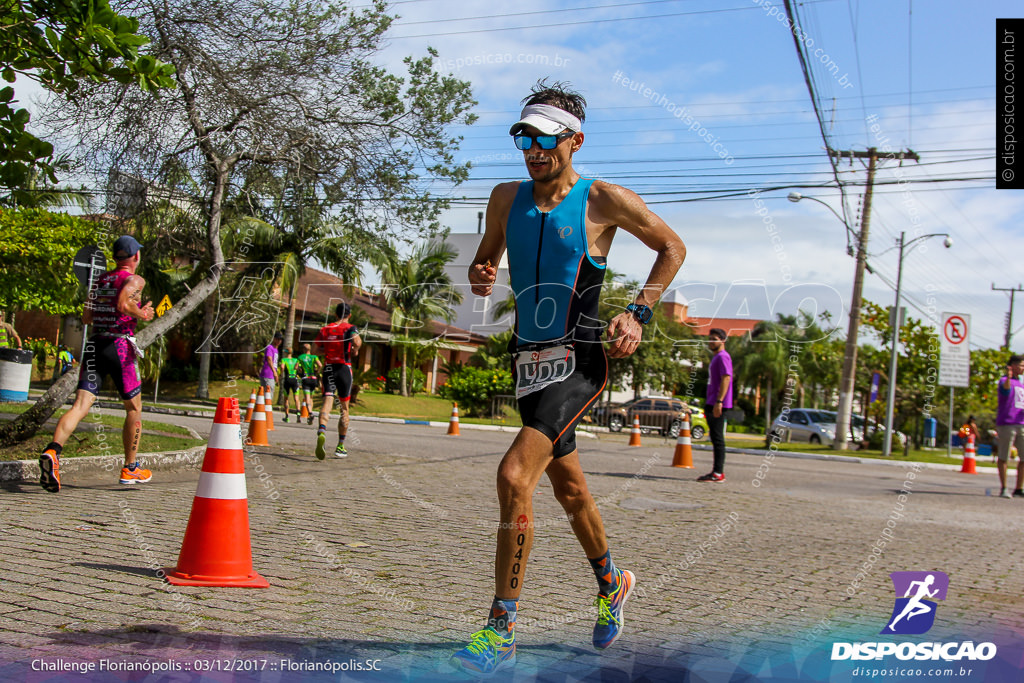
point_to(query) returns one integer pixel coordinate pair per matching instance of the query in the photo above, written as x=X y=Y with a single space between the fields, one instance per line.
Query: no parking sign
x=955 y=352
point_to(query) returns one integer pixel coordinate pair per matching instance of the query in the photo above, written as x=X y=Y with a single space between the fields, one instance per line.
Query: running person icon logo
x=914 y=610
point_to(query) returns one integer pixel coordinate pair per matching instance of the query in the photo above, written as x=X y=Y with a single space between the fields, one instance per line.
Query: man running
x=113 y=309
x=289 y=368
x=268 y=371
x=339 y=342
x=310 y=367
x=558 y=229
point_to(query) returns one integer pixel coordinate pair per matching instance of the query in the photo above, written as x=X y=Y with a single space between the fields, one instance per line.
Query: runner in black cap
x=113 y=309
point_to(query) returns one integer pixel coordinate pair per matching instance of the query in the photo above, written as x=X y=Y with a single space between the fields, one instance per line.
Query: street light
x=797 y=196
x=948 y=242
x=847 y=381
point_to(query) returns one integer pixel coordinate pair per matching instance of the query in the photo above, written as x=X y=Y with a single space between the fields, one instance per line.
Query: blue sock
x=503 y=615
x=322 y=429
x=607 y=575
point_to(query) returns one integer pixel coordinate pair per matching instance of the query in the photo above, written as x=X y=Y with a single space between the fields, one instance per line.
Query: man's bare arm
x=484 y=270
x=128 y=301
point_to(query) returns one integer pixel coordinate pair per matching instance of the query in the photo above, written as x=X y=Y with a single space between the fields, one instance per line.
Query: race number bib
x=536 y=370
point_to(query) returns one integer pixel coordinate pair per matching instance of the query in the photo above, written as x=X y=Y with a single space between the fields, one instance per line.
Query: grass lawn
x=156 y=436
x=937 y=456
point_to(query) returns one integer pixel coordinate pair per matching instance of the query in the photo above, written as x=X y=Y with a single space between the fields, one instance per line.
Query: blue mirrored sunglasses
x=525 y=142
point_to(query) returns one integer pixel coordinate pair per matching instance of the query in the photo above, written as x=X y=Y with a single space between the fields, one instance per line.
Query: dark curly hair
x=558 y=94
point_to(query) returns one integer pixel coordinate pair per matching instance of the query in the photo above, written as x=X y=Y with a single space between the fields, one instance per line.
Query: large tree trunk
x=403 y=385
x=209 y=317
x=289 y=335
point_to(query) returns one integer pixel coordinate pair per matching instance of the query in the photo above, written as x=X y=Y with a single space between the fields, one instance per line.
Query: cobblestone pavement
x=384 y=560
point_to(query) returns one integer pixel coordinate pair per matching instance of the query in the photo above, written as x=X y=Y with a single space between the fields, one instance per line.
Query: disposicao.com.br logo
x=913 y=613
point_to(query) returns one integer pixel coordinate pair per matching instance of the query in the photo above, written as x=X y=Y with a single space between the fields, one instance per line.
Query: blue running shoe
x=321 y=446
x=609 y=611
x=487 y=653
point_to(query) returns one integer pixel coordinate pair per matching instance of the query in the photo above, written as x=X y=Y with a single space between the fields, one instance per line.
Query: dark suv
x=662 y=415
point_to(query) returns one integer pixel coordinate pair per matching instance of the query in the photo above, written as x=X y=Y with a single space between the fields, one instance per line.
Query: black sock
x=341 y=439
x=322 y=429
x=503 y=615
x=56 y=447
x=604 y=570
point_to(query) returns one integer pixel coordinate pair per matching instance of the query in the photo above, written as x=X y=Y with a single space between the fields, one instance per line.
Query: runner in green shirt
x=309 y=368
x=289 y=381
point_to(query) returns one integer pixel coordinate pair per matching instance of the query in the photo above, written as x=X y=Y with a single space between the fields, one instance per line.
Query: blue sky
x=924 y=75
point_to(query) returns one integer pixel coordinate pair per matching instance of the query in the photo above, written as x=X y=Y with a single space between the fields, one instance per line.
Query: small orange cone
x=305 y=411
x=970 y=455
x=252 y=404
x=216 y=550
x=258 y=427
x=268 y=407
x=453 y=424
x=684 y=450
x=634 y=434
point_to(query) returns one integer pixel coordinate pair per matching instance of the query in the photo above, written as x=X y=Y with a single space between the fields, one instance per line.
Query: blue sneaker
x=321 y=445
x=487 y=653
x=609 y=611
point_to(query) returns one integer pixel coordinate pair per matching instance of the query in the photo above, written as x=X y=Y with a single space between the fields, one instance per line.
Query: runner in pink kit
x=114 y=309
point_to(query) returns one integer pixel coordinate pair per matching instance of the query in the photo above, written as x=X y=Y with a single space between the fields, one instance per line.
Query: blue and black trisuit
x=558 y=361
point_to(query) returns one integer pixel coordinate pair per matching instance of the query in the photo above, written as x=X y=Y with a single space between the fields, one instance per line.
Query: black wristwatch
x=641 y=313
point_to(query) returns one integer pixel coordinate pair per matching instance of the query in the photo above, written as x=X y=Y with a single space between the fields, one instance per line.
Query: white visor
x=547 y=119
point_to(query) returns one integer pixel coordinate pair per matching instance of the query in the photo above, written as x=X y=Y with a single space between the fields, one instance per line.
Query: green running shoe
x=488 y=652
x=321 y=445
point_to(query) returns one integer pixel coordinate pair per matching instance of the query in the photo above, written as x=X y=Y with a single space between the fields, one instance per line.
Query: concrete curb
x=846 y=458
x=28 y=470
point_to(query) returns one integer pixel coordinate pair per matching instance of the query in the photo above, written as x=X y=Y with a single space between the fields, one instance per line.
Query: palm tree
x=38 y=193
x=763 y=358
x=417 y=289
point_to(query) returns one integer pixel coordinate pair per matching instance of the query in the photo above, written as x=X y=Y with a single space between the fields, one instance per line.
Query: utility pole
x=848 y=380
x=1009 y=316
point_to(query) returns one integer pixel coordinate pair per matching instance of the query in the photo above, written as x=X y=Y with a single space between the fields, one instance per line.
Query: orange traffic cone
x=634 y=435
x=684 y=450
x=453 y=424
x=268 y=406
x=258 y=427
x=970 y=455
x=216 y=550
x=305 y=411
x=252 y=404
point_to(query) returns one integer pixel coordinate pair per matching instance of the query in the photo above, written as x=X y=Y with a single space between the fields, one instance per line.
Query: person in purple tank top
x=268 y=371
x=1010 y=423
x=113 y=309
x=718 y=399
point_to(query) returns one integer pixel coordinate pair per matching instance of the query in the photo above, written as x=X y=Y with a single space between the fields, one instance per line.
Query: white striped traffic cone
x=683 y=456
x=216 y=550
x=258 y=426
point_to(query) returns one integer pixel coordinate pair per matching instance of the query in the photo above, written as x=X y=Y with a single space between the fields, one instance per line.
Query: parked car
x=657 y=414
x=803 y=424
x=818 y=427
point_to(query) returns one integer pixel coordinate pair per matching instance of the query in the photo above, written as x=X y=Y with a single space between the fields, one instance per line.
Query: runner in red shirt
x=339 y=343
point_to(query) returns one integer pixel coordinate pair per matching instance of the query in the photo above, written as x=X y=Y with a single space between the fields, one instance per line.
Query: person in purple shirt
x=1010 y=423
x=268 y=373
x=718 y=400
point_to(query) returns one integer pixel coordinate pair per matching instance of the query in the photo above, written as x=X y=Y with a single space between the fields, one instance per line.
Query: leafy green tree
x=918 y=363
x=417 y=290
x=61 y=44
x=277 y=84
x=37 y=249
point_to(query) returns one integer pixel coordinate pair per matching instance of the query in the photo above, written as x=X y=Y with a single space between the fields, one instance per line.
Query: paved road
x=386 y=557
